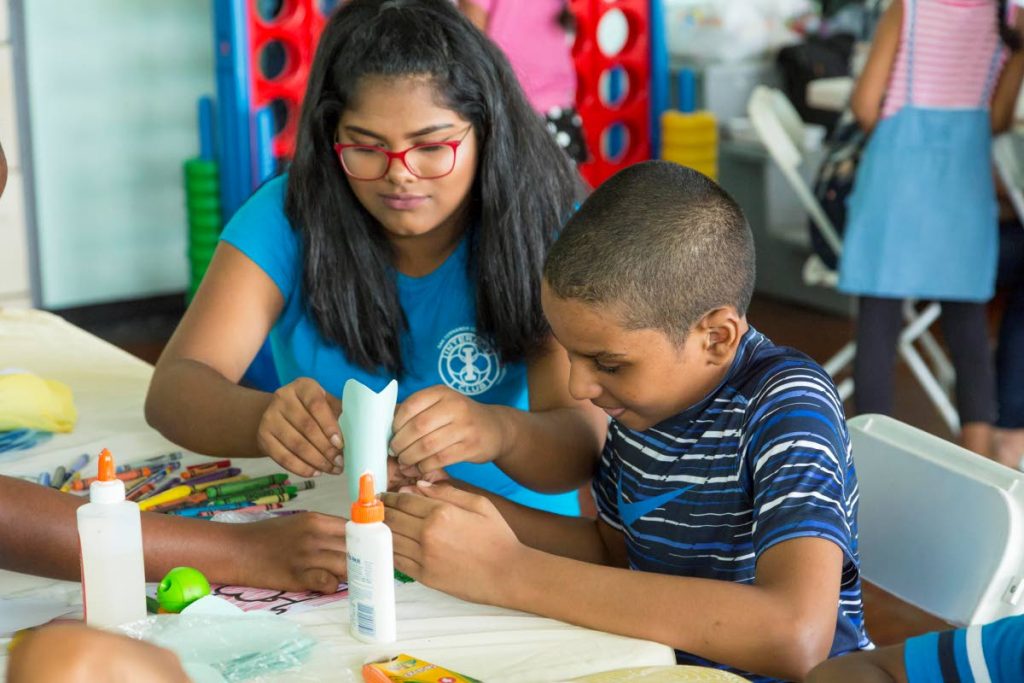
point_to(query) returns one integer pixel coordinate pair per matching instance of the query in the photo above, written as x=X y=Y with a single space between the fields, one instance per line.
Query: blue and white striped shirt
x=762 y=459
x=993 y=653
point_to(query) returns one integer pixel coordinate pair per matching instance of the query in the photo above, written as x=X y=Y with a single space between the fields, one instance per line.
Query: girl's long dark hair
x=1011 y=38
x=524 y=189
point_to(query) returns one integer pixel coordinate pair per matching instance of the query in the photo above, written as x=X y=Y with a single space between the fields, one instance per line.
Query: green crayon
x=246 y=496
x=246 y=485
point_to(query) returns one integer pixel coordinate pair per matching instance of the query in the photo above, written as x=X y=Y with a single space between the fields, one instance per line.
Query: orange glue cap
x=107 y=472
x=367 y=509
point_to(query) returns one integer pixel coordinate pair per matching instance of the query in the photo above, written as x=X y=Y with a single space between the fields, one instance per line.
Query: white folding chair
x=782 y=132
x=939 y=526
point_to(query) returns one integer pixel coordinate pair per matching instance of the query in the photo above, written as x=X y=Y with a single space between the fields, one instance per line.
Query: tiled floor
x=819 y=335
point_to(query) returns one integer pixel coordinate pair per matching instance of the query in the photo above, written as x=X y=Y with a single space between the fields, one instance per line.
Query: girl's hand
x=439 y=426
x=298 y=552
x=453 y=541
x=299 y=429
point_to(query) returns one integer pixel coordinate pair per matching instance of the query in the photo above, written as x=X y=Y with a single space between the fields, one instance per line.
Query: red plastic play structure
x=617 y=131
x=292 y=33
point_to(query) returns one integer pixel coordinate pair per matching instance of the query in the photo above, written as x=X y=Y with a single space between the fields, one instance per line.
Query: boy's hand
x=438 y=426
x=452 y=540
x=298 y=552
x=299 y=429
x=403 y=478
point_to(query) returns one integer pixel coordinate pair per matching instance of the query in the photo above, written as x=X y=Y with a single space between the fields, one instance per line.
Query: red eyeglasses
x=427 y=161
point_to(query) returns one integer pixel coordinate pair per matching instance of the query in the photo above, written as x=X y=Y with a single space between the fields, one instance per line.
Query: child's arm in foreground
x=39 y=535
x=88 y=655
x=884 y=665
x=781 y=625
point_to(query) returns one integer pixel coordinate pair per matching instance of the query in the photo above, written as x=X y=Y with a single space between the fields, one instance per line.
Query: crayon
x=197 y=511
x=126 y=476
x=148 y=484
x=261 y=508
x=214 y=475
x=163 y=486
x=74 y=472
x=251 y=508
x=57 y=480
x=151 y=462
x=204 y=468
x=279 y=498
x=70 y=482
x=44 y=479
x=247 y=496
x=168 y=496
x=225 y=489
x=202 y=486
x=189 y=501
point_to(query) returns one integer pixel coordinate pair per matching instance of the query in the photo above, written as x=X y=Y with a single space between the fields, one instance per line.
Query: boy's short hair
x=661 y=241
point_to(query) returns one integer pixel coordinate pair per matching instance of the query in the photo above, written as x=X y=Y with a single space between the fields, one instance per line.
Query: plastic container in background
x=113 y=570
x=371 y=569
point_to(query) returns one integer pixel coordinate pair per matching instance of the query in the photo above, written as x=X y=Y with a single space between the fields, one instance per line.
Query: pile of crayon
x=161 y=484
x=207 y=492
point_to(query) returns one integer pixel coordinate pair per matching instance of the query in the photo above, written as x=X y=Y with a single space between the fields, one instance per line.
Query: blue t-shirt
x=762 y=459
x=439 y=347
x=993 y=652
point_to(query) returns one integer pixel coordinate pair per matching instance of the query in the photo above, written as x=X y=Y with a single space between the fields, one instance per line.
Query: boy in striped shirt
x=726 y=491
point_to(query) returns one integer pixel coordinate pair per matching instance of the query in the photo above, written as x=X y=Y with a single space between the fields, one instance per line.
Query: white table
x=489 y=643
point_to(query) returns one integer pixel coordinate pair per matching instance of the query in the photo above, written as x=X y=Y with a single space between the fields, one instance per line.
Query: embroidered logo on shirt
x=467 y=363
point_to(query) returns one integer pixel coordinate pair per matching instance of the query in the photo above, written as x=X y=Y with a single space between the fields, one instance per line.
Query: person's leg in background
x=879 y=322
x=1010 y=348
x=965 y=327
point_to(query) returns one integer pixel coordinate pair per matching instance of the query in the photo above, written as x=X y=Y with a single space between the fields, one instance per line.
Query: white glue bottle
x=110 y=533
x=371 y=569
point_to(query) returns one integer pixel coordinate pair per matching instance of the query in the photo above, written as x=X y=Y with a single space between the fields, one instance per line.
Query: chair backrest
x=940 y=527
x=1007 y=162
x=782 y=132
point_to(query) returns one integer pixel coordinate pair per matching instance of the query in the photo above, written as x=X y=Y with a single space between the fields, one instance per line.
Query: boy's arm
x=884 y=665
x=781 y=625
x=39 y=535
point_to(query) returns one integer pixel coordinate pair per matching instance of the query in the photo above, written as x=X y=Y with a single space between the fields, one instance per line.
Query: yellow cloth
x=31 y=402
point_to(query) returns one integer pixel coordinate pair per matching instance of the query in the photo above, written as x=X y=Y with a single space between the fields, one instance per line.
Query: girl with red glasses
x=406 y=241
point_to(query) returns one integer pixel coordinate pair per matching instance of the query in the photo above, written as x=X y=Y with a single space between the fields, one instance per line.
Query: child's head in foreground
x=647 y=288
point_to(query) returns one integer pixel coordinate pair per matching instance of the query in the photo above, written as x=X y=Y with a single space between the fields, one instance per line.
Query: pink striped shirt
x=953 y=43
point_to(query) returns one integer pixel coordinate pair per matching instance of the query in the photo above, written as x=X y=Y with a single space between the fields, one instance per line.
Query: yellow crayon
x=276 y=498
x=66 y=486
x=168 y=496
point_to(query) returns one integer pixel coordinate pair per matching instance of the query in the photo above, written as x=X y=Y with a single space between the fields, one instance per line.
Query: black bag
x=834 y=183
x=814 y=58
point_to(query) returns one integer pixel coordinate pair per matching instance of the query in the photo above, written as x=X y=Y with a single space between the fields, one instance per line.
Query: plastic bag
x=219 y=649
x=730 y=30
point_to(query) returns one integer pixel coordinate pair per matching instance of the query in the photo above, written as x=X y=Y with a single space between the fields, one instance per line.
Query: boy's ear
x=722 y=329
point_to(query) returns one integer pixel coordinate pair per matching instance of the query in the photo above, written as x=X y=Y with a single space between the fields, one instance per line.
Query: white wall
x=14 y=257
x=112 y=90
